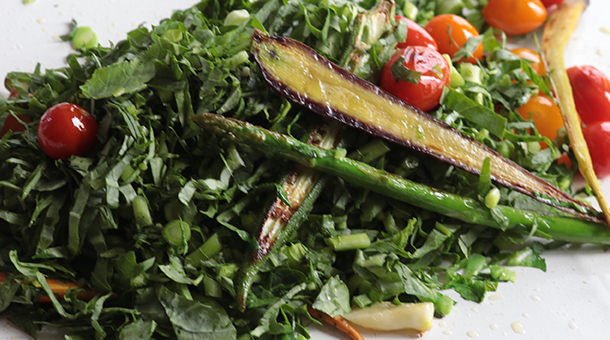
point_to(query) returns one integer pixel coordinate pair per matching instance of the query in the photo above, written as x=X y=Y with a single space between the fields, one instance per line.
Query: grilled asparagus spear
x=559 y=226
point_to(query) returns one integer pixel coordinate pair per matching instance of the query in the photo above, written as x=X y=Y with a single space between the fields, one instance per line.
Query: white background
x=570 y=301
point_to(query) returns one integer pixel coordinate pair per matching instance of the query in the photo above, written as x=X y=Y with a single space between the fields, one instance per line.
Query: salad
x=158 y=219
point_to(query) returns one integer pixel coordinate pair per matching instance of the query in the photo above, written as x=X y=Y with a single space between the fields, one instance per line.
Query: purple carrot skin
x=333 y=92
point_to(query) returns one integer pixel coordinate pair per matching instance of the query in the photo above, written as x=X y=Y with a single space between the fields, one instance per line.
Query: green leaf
x=403 y=73
x=468 y=289
x=485 y=177
x=268 y=319
x=194 y=320
x=334 y=298
x=526 y=257
x=121 y=78
x=474 y=112
x=138 y=330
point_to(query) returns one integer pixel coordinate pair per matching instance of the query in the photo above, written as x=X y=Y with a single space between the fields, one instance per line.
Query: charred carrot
x=557 y=31
x=300 y=74
x=338 y=322
x=61 y=288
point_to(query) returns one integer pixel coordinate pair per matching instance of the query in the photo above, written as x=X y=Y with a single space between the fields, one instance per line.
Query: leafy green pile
x=108 y=220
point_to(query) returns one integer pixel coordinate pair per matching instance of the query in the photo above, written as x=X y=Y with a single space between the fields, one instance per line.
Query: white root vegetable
x=385 y=316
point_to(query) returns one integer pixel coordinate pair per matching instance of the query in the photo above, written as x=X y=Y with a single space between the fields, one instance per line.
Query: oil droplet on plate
x=526 y=315
x=496 y=297
x=41 y=20
x=494 y=327
x=573 y=325
x=442 y=324
x=535 y=298
x=518 y=327
x=447 y=332
x=472 y=334
x=474 y=309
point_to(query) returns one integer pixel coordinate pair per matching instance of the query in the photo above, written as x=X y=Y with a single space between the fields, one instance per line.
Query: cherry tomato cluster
x=421 y=53
x=591 y=89
x=541 y=109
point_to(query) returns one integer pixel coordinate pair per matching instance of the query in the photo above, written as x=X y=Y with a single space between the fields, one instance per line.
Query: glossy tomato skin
x=597 y=135
x=515 y=17
x=416 y=35
x=549 y=3
x=66 y=129
x=545 y=114
x=591 y=90
x=451 y=32
x=12 y=124
x=533 y=57
x=435 y=75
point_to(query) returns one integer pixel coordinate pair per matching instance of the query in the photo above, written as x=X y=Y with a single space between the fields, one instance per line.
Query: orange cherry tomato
x=515 y=17
x=416 y=35
x=565 y=159
x=435 y=74
x=591 y=90
x=545 y=114
x=451 y=32
x=535 y=59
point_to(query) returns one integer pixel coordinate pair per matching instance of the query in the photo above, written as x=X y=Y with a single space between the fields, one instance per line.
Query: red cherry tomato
x=416 y=35
x=534 y=58
x=591 y=90
x=597 y=135
x=549 y=3
x=545 y=114
x=12 y=124
x=66 y=129
x=451 y=33
x=515 y=17
x=435 y=73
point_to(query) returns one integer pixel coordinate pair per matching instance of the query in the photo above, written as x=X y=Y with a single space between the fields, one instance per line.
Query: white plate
x=570 y=301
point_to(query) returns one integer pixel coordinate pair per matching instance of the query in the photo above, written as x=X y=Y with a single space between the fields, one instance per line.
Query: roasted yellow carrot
x=557 y=32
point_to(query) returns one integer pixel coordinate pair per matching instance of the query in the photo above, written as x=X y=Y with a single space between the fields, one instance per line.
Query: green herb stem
x=206 y=251
x=349 y=242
